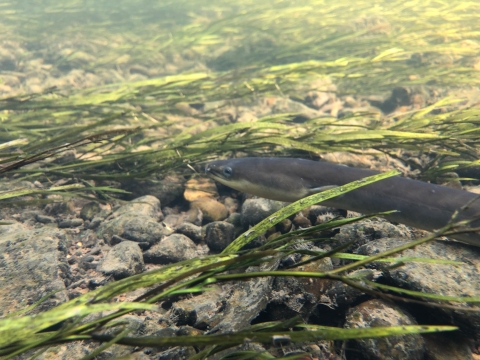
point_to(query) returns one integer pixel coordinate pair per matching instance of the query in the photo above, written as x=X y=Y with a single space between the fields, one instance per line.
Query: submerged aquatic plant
x=20 y=332
x=129 y=129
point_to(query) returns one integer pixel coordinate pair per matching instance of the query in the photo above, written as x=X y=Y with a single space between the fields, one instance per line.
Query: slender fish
x=419 y=204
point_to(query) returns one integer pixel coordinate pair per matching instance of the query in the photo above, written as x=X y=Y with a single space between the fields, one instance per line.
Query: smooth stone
x=218 y=235
x=212 y=209
x=173 y=248
x=123 y=260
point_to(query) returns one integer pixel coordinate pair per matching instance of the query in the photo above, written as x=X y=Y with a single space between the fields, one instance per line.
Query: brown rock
x=199 y=188
x=301 y=221
x=212 y=210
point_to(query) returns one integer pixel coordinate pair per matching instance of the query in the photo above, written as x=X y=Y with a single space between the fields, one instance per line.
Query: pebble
x=173 y=248
x=95 y=223
x=218 y=235
x=173 y=220
x=44 y=219
x=144 y=229
x=192 y=231
x=123 y=260
x=70 y=223
x=255 y=210
x=143 y=206
x=212 y=209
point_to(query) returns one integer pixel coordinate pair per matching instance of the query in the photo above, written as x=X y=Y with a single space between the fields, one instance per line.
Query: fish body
x=419 y=204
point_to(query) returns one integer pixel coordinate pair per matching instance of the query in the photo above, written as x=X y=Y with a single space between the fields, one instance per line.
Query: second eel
x=422 y=205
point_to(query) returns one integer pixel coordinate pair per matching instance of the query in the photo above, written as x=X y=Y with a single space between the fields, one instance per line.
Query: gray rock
x=173 y=220
x=89 y=210
x=236 y=220
x=449 y=280
x=7 y=185
x=95 y=223
x=87 y=262
x=70 y=223
x=293 y=296
x=218 y=235
x=144 y=229
x=367 y=230
x=44 y=219
x=59 y=208
x=143 y=206
x=136 y=221
x=112 y=227
x=225 y=309
x=194 y=216
x=191 y=231
x=377 y=313
x=255 y=210
x=32 y=264
x=341 y=295
x=201 y=311
x=124 y=259
x=244 y=300
x=173 y=248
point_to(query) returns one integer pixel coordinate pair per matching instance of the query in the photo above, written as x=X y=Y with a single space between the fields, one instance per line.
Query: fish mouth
x=212 y=171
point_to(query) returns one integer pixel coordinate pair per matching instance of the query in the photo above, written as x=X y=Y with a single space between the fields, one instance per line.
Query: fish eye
x=227 y=171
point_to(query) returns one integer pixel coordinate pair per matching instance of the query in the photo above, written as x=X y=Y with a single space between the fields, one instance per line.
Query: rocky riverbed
x=72 y=247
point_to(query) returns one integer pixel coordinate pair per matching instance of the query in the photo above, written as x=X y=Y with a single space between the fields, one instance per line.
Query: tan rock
x=212 y=209
x=199 y=188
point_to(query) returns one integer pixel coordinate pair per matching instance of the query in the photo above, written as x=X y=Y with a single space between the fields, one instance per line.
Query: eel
x=419 y=204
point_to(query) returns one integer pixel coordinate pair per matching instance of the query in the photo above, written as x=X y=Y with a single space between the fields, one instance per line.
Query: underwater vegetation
x=96 y=99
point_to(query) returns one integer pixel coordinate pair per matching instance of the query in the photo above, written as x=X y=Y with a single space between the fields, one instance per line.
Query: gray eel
x=419 y=204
